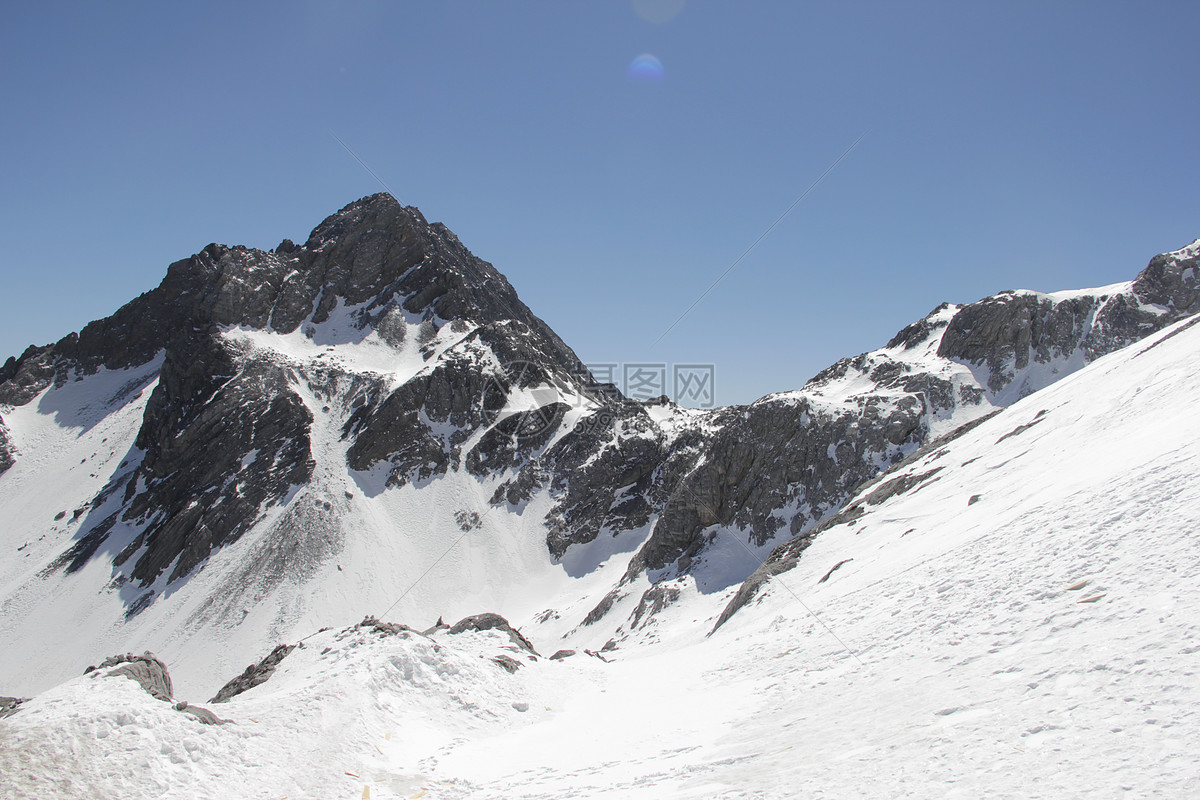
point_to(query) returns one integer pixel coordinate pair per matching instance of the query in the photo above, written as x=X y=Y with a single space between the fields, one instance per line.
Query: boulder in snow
x=150 y=673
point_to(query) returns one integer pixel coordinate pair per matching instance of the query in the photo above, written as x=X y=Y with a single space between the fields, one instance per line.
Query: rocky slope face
x=225 y=435
x=348 y=410
x=1014 y=343
x=7 y=456
x=788 y=460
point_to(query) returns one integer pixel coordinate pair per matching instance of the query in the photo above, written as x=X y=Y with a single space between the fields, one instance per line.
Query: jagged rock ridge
x=222 y=409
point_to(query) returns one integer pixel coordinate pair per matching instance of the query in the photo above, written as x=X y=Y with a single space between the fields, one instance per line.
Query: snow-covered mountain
x=274 y=442
x=1007 y=613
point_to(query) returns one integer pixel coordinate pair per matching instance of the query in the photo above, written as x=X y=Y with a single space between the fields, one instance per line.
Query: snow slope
x=1022 y=623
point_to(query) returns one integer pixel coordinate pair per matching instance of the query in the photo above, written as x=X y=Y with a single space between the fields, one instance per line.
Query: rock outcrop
x=8 y=455
x=147 y=670
x=488 y=622
x=10 y=705
x=254 y=675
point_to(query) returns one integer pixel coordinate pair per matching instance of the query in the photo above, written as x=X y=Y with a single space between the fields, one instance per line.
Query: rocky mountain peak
x=1172 y=280
x=373 y=251
x=381 y=337
x=375 y=255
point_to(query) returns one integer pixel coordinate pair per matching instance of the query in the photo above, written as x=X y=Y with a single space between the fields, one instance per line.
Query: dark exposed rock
x=199 y=427
x=898 y=485
x=1017 y=431
x=384 y=628
x=920 y=331
x=782 y=559
x=150 y=673
x=1008 y=332
x=8 y=455
x=1172 y=281
x=489 y=621
x=604 y=606
x=834 y=569
x=467 y=520
x=781 y=453
x=600 y=480
x=254 y=675
x=221 y=411
x=785 y=557
x=507 y=663
x=23 y=377
x=653 y=600
x=10 y=705
x=559 y=655
x=1190 y=323
x=460 y=396
x=792 y=460
x=205 y=716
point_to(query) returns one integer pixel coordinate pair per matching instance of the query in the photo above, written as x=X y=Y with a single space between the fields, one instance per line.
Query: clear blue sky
x=1036 y=145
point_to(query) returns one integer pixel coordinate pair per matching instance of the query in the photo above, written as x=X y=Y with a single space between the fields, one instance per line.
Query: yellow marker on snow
x=387 y=736
x=418 y=794
x=366 y=792
x=1077 y=585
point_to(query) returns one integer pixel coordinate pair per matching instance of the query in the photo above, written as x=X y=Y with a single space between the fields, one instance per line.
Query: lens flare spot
x=645 y=68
